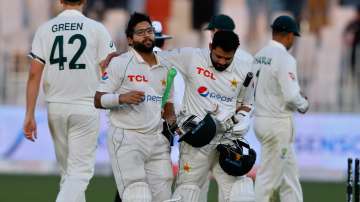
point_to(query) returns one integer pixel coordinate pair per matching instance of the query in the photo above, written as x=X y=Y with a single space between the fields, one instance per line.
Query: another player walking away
x=277 y=96
x=69 y=49
x=213 y=79
x=132 y=90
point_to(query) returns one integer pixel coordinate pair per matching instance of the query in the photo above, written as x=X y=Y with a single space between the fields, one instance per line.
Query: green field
x=20 y=188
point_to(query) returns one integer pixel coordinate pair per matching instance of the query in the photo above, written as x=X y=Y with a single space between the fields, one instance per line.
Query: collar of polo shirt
x=70 y=12
x=277 y=44
x=142 y=61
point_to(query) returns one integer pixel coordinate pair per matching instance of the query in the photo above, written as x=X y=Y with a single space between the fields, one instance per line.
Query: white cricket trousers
x=138 y=157
x=74 y=130
x=278 y=172
x=194 y=167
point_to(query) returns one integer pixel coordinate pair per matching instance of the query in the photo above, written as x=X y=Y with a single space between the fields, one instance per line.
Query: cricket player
x=213 y=77
x=159 y=44
x=225 y=23
x=132 y=89
x=277 y=96
x=68 y=49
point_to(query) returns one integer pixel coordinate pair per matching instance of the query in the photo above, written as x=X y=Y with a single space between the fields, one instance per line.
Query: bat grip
x=169 y=81
x=248 y=78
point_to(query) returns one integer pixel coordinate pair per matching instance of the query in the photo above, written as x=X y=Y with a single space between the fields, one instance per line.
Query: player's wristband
x=109 y=100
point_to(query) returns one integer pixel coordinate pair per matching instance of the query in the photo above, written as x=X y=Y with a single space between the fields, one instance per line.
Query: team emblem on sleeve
x=292 y=76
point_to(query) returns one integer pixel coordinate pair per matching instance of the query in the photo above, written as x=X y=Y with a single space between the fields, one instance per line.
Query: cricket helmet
x=234 y=160
x=197 y=132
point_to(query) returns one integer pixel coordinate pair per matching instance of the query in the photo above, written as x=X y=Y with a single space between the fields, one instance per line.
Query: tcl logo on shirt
x=205 y=72
x=137 y=78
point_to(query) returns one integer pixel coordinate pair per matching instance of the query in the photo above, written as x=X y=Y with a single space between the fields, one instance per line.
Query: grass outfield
x=20 y=188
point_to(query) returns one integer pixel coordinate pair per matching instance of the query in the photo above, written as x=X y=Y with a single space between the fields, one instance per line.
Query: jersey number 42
x=59 y=44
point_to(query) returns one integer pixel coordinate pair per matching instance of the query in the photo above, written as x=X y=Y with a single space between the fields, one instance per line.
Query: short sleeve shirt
x=71 y=47
x=130 y=72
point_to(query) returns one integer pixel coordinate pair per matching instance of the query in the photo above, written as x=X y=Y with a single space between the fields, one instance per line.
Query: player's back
x=269 y=98
x=71 y=46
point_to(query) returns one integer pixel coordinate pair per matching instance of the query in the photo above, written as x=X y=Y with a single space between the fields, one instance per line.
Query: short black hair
x=135 y=18
x=226 y=40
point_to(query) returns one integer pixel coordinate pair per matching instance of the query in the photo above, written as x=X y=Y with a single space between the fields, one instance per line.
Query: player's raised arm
x=178 y=57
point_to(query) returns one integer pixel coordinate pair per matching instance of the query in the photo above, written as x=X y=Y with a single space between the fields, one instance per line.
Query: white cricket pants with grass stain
x=278 y=172
x=137 y=157
x=74 y=130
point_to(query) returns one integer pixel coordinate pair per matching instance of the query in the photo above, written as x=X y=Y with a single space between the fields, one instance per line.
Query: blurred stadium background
x=328 y=55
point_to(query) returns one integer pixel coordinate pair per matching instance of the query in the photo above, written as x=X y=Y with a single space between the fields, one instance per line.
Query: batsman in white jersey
x=277 y=96
x=133 y=89
x=213 y=78
x=225 y=23
x=68 y=50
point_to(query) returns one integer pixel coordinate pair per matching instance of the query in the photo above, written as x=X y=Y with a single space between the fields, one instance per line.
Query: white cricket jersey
x=130 y=72
x=244 y=56
x=71 y=46
x=277 y=93
x=205 y=86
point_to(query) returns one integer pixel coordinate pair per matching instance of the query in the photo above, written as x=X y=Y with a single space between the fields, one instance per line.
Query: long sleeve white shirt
x=277 y=92
x=204 y=86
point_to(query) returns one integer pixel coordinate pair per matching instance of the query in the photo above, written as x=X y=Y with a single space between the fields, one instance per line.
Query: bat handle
x=169 y=81
x=248 y=78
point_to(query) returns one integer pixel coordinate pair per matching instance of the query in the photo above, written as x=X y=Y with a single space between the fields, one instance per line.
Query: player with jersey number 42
x=68 y=50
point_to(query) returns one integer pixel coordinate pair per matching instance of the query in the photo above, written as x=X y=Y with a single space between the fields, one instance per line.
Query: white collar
x=140 y=59
x=277 y=44
x=70 y=12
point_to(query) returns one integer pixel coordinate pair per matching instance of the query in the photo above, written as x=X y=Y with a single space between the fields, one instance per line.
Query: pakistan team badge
x=234 y=84
x=187 y=167
x=163 y=82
